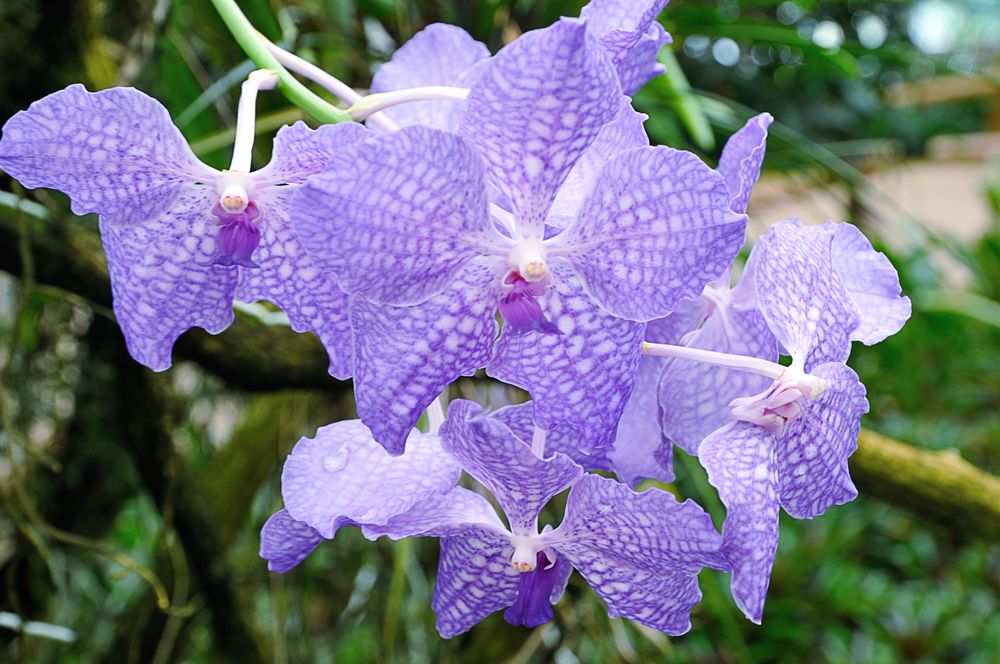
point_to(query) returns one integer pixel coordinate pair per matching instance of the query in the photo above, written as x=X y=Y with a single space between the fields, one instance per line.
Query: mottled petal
x=538 y=590
x=624 y=132
x=342 y=475
x=641 y=450
x=395 y=217
x=537 y=107
x=162 y=277
x=289 y=277
x=628 y=31
x=474 y=580
x=285 y=542
x=648 y=530
x=694 y=397
x=741 y=464
x=405 y=356
x=742 y=157
x=437 y=55
x=489 y=451
x=801 y=296
x=581 y=378
x=872 y=283
x=688 y=315
x=109 y=151
x=440 y=515
x=520 y=419
x=299 y=151
x=812 y=455
x=640 y=552
x=656 y=228
x=642 y=63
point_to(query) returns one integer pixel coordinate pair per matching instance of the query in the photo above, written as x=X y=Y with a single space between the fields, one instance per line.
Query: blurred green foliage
x=865 y=583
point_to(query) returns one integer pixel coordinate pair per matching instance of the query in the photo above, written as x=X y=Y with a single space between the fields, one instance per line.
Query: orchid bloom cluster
x=504 y=213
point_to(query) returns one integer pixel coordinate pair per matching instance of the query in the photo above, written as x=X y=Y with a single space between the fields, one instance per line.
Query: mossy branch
x=937 y=485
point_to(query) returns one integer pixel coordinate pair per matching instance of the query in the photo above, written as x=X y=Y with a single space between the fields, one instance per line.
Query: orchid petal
x=628 y=31
x=396 y=217
x=439 y=515
x=520 y=419
x=656 y=228
x=437 y=55
x=299 y=151
x=406 y=356
x=742 y=158
x=581 y=378
x=342 y=475
x=536 y=108
x=110 y=151
x=285 y=542
x=741 y=464
x=813 y=452
x=641 y=450
x=520 y=481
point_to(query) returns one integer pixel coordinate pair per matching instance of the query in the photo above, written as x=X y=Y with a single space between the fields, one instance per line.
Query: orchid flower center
x=779 y=403
x=527 y=258
x=526 y=549
x=238 y=218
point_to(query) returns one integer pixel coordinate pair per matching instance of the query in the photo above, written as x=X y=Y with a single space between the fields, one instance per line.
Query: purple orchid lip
x=520 y=306
x=533 y=606
x=238 y=236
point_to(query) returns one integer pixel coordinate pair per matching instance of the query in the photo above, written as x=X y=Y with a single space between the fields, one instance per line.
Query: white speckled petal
x=623 y=133
x=872 y=283
x=109 y=151
x=641 y=450
x=440 y=515
x=290 y=278
x=536 y=108
x=656 y=228
x=563 y=439
x=395 y=217
x=162 y=277
x=342 y=475
x=742 y=157
x=474 y=580
x=489 y=451
x=741 y=464
x=405 y=356
x=437 y=55
x=801 y=296
x=641 y=552
x=285 y=542
x=813 y=452
x=581 y=378
x=300 y=151
x=694 y=396
x=642 y=61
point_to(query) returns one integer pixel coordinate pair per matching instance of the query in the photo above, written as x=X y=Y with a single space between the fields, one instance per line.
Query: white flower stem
x=538 y=441
x=246 y=117
x=382 y=100
x=741 y=362
x=328 y=81
x=435 y=415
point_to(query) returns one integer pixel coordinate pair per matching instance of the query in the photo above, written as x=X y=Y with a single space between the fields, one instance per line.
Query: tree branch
x=937 y=485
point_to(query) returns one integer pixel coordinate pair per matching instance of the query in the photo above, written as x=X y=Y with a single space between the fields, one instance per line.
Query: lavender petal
x=536 y=108
x=581 y=378
x=439 y=515
x=641 y=450
x=489 y=451
x=285 y=542
x=741 y=464
x=474 y=580
x=520 y=419
x=396 y=217
x=742 y=158
x=405 y=356
x=437 y=55
x=342 y=475
x=110 y=151
x=656 y=228
x=812 y=454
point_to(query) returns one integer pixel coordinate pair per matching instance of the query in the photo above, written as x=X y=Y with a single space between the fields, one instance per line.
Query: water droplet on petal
x=336 y=461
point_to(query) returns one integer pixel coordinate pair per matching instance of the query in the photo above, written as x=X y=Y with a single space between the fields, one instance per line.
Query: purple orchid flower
x=182 y=240
x=641 y=552
x=817 y=288
x=413 y=220
x=342 y=477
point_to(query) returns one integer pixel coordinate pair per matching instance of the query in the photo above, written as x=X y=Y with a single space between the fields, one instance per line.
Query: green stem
x=296 y=93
